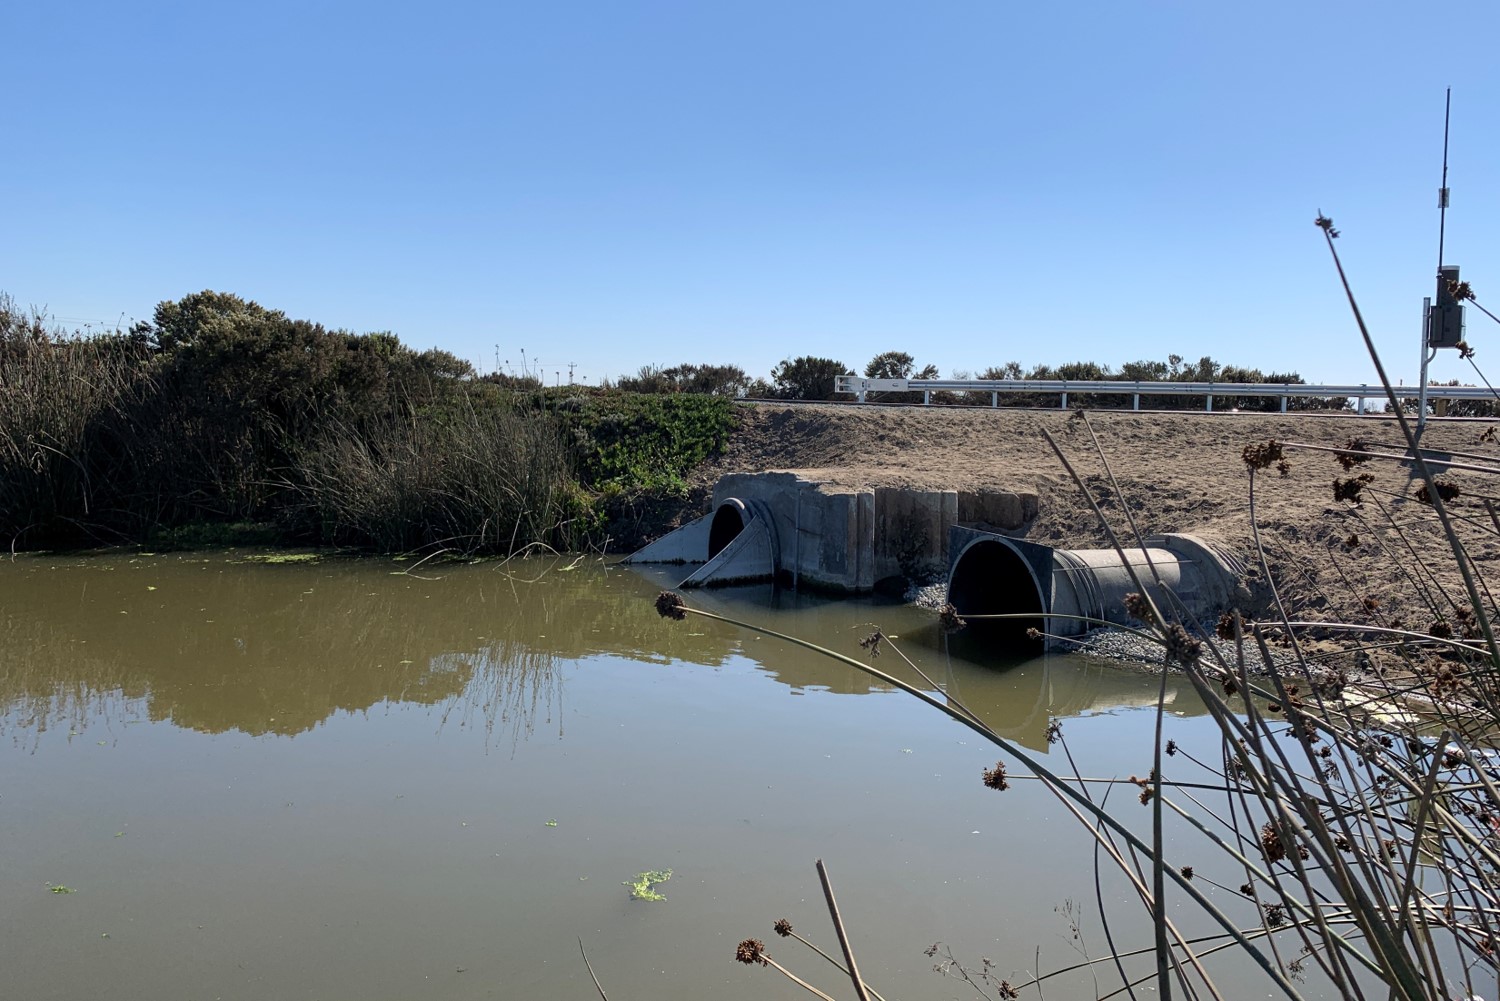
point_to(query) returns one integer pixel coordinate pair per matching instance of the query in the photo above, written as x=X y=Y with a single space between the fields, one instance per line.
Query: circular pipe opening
x=729 y=521
x=991 y=578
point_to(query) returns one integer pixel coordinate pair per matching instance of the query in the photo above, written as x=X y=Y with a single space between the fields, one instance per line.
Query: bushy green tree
x=807 y=378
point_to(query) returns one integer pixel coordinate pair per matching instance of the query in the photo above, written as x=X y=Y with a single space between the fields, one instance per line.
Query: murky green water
x=341 y=781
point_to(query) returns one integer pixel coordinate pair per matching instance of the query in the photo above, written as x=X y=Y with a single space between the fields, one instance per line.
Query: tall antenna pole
x=1443 y=191
x=1429 y=352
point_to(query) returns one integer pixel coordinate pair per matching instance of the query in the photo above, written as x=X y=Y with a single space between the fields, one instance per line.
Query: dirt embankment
x=1177 y=472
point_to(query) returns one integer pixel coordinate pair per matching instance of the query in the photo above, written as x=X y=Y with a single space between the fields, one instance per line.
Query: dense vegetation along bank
x=220 y=420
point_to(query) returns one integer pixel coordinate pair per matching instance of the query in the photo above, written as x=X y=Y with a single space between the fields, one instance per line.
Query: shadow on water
x=221 y=642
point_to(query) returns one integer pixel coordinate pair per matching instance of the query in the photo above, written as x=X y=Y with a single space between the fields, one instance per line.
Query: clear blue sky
x=616 y=183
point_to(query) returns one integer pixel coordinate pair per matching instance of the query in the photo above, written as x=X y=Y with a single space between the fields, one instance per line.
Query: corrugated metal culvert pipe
x=991 y=574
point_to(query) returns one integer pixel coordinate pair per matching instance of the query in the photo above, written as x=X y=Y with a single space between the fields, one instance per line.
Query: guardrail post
x=1137 y=404
x=1210 y=403
x=1064 y=405
x=1283 y=404
x=926 y=397
x=994 y=399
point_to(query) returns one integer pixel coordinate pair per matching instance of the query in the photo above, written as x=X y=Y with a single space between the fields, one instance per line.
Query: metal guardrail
x=860 y=386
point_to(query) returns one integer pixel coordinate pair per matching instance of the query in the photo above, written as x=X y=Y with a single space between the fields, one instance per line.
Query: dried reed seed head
x=1371 y=603
x=1342 y=843
x=1230 y=686
x=751 y=951
x=1347 y=458
x=1054 y=730
x=1441 y=629
x=1460 y=290
x=1224 y=628
x=1352 y=542
x=950 y=621
x=1171 y=748
x=1348 y=490
x=1464 y=350
x=1489 y=435
x=1275 y=915
x=782 y=927
x=1006 y=991
x=1187 y=872
x=1326 y=225
x=872 y=642
x=1138 y=606
x=1181 y=647
x=1263 y=456
x=1033 y=633
x=1284 y=469
x=1247 y=889
x=1270 y=843
x=995 y=777
x=669 y=605
x=1447 y=491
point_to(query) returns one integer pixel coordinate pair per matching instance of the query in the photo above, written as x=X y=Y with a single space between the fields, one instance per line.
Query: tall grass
x=64 y=430
x=490 y=479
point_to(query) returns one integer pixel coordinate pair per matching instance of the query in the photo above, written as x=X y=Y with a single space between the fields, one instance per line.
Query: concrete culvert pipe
x=1071 y=591
x=991 y=578
x=729 y=521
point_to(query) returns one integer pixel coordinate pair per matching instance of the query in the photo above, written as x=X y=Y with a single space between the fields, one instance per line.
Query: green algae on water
x=642 y=887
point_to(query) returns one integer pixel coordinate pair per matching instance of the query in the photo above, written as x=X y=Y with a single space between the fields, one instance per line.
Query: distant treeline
x=813 y=378
x=221 y=420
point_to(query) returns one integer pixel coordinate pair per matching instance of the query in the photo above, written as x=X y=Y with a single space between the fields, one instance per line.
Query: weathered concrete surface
x=752 y=555
x=688 y=544
x=835 y=538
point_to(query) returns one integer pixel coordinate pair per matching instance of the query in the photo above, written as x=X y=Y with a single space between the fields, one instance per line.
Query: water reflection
x=218 y=643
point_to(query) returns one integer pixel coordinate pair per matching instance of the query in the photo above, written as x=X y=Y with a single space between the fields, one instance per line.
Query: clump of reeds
x=488 y=478
x=63 y=400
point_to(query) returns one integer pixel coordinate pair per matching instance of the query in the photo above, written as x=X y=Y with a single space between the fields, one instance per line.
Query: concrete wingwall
x=843 y=539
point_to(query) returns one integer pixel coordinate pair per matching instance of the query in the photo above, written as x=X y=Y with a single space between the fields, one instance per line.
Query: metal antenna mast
x=1429 y=350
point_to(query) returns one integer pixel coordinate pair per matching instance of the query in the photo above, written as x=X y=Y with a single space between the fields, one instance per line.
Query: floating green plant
x=59 y=888
x=641 y=888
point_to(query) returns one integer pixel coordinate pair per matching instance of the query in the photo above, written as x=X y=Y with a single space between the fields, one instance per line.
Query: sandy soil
x=1177 y=472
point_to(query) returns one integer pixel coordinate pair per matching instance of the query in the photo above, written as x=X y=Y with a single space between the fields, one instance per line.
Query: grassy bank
x=221 y=420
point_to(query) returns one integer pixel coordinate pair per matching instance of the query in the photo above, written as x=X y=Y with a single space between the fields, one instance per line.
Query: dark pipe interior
x=990 y=578
x=729 y=521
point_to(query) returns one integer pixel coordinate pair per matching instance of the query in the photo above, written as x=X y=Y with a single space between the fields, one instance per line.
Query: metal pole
x=1426 y=357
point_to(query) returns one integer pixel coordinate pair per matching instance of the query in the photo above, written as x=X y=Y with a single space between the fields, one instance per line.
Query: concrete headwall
x=848 y=540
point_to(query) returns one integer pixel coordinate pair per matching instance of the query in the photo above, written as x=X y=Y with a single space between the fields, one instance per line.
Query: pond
x=225 y=775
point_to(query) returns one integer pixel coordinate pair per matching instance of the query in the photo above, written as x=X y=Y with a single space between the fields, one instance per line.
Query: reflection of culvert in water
x=729 y=521
x=992 y=578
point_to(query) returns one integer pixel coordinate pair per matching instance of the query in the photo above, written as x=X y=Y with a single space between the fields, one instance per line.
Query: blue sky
x=620 y=183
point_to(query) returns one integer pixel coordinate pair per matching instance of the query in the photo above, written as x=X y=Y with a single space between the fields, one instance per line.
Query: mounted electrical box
x=1445 y=321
